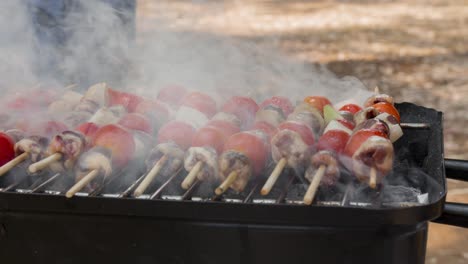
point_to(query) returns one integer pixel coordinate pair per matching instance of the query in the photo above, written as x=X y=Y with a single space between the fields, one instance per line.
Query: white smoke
x=99 y=48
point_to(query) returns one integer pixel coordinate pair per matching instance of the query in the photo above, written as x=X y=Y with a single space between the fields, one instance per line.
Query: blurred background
x=415 y=50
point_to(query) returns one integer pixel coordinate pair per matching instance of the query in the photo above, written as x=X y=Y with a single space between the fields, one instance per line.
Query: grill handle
x=456 y=169
x=455 y=214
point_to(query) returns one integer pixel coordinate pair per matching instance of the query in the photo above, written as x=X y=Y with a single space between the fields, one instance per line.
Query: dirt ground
x=413 y=50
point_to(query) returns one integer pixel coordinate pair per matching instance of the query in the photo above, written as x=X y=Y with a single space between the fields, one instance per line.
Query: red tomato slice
x=250 y=145
x=172 y=95
x=333 y=140
x=317 y=101
x=21 y=103
x=201 y=102
x=7 y=149
x=279 y=101
x=358 y=138
x=88 y=129
x=352 y=108
x=304 y=131
x=209 y=137
x=153 y=109
x=135 y=121
x=347 y=123
x=177 y=132
x=119 y=141
x=384 y=107
x=127 y=100
x=226 y=127
x=242 y=107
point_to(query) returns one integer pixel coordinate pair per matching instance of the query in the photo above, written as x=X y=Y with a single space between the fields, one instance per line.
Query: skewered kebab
x=173 y=139
x=369 y=155
x=195 y=110
x=201 y=159
x=62 y=153
x=323 y=166
x=293 y=144
x=245 y=155
x=113 y=148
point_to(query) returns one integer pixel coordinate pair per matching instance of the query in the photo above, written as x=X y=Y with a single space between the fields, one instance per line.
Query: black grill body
x=45 y=228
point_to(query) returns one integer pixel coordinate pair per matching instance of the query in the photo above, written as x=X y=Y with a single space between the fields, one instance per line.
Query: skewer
x=415 y=125
x=150 y=176
x=99 y=189
x=46 y=182
x=131 y=187
x=13 y=185
x=310 y=194
x=227 y=183
x=81 y=183
x=274 y=176
x=190 y=191
x=345 y=199
x=376 y=90
x=12 y=163
x=35 y=167
x=189 y=180
x=70 y=86
x=249 y=196
x=283 y=194
x=373 y=177
x=157 y=193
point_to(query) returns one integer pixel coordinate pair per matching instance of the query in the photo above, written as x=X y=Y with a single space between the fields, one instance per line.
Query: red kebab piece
x=172 y=95
x=113 y=148
x=156 y=111
x=244 y=156
x=293 y=144
x=323 y=166
x=173 y=139
x=369 y=155
x=244 y=108
x=7 y=152
x=32 y=148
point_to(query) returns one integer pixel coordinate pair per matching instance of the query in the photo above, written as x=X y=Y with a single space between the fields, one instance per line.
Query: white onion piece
x=336 y=125
x=395 y=130
x=192 y=117
x=97 y=93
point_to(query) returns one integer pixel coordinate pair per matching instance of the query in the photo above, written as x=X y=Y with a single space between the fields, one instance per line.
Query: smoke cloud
x=93 y=42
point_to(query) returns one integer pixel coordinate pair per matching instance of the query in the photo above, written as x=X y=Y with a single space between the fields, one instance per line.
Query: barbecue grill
x=346 y=224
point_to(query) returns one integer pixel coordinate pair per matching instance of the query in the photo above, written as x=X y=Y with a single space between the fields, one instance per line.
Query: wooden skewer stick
x=82 y=183
x=376 y=90
x=12 y=163
x=150 y=177
x=70 y=86
x=227 y=183
x=188 y=181
x=35 y=167
x=373 y=177
x=314 y=184
x=274 y=176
